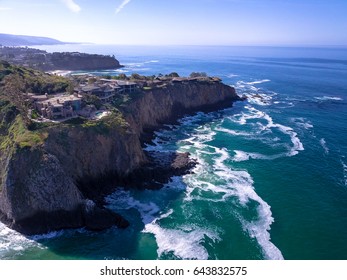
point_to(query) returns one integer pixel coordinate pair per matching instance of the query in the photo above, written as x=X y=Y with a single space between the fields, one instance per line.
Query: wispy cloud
x=72 y=5
x=122 y=5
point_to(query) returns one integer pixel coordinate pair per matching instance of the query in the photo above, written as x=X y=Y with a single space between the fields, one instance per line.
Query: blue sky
x=180 y=22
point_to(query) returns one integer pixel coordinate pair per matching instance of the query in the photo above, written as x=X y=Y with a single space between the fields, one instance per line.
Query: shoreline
x=76 y=166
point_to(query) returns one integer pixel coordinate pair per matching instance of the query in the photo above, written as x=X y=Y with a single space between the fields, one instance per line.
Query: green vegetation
x=14 y=131
x=19 y=135
x=107 y=124
x=198 y=74
x=90 y=99
x=173 y=75
x=8 y=113
x=30 y=80
x=15 y=127
x=24 y=137
x=121 y=76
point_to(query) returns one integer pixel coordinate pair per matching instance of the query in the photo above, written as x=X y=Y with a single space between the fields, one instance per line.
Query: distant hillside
x=42 y=60
x=31 y=80
x=21 y=40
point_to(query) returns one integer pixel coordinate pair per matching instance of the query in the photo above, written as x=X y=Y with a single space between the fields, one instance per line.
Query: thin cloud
x=71 y=5
x=5 y=8
x=122 y=5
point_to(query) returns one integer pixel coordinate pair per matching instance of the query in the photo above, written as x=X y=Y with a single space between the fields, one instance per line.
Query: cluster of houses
x=62 y=106
x=106 y=89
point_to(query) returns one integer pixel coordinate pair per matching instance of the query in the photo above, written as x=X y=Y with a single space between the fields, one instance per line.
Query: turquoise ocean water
x=271 y=179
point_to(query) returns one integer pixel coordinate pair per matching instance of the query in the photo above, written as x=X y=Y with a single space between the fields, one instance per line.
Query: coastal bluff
x=59 y=180
x=68 y=61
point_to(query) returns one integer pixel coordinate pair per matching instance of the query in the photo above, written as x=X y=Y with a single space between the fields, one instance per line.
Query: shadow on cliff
x=130 y=243
x=141 y=207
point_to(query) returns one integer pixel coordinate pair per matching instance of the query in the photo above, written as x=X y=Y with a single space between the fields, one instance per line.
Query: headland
x=61 y=153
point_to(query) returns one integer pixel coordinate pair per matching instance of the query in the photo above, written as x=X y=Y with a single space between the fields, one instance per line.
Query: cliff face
x=165 y=105
x=80 y=61
x=35 y=183
x=54 y=185
x=42 y=60
x=87 y=152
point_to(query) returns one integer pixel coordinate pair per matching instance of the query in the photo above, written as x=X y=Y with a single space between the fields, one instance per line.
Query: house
x=61 y=106
x=91 y=89
x=126 y=86
x=105 y=92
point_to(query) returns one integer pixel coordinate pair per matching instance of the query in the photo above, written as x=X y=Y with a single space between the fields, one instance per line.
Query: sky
x=180 y=22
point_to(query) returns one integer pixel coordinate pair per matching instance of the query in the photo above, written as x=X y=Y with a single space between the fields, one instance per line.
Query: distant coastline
x=24 y=40
x=71 y=155
x=68 y=61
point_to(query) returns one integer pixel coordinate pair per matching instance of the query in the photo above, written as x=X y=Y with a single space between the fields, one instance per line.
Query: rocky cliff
x=44 y=61
x=56 y=182
x=80 y=61
x=167 y=104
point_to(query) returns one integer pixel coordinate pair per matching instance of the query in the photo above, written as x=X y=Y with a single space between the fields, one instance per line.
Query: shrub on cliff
x=30 y=80
x=91 y=99
x=197 y=74
x=173 y=75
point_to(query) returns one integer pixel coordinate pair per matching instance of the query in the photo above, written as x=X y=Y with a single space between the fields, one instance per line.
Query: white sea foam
x=182 y=243
x=232 y=132
x=123 y=200
x=152 y=61
x=344 y=166
x=258 y=82
x=122 y=71
x=259 y=230
x=232 y=75
x=50 y=235
x=241 y=183
x=254 y=114
x=214 y=181
x=303 y=123
x=297 y=145
x=244 y=156
x=324 y=145
x=11 y=241
x=238 y=184
x=244 y=117
x=327 y=98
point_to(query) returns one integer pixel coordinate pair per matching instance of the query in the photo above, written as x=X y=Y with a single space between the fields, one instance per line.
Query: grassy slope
x=33 y=80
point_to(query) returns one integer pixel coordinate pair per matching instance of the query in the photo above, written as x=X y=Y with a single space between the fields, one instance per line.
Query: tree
x=90 y=99
x=173 y=75
x=14 y=86
x=136 y=76
x=122 y=76
x=91 y=80
x=197 y=74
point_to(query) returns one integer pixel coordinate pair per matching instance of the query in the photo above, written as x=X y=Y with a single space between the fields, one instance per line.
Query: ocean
x=271 y=178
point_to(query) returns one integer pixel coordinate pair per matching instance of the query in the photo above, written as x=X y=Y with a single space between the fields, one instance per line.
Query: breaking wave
x=214 y=180
x=13 y=243
x=258 y=82
x=329 y=98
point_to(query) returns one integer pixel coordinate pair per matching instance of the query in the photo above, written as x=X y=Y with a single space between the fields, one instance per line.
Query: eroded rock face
x=166 y=105
x=86 y=152
x=61 y=183
x=39 y=196
x=36 y=183
x=81 y=61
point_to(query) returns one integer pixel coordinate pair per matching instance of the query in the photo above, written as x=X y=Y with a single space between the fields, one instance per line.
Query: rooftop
x=58 y=101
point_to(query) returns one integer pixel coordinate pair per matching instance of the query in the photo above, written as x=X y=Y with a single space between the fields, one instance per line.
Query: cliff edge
x=54 y=177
